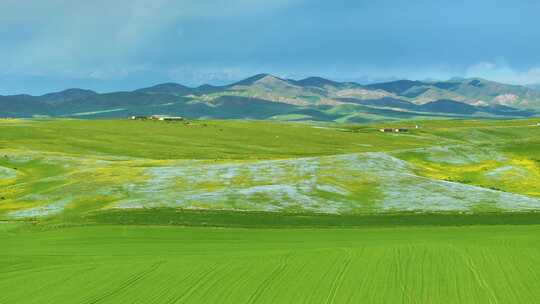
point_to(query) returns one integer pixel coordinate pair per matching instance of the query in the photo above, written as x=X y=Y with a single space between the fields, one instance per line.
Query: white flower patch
x=297 y=184
x=462 y=155
x=7 y=173
x=40 y=211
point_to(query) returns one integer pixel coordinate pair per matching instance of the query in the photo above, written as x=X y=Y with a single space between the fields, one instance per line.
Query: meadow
x=208 y=211
x=62 y=170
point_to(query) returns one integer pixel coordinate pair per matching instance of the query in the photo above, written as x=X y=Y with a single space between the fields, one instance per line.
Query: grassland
x=115 y=211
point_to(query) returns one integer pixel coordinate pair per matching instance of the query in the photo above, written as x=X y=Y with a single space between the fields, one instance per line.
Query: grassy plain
x=116 y=211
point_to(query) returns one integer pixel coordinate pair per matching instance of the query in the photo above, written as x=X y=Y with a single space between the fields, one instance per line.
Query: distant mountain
x=67 y=95
x=207 y=88
x=253 y=79
x=179 y=90
x=397 y=87
x=167 y=88
x=318 y=82
x=266 y=82
x=265 y=96
x=534 y=86
x=473 y=91
x=442 y=106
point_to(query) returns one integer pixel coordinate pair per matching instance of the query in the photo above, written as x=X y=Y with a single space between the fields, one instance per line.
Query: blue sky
x=122 y=45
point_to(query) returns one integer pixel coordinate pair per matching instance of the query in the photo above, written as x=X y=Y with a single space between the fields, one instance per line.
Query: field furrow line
x=282 y=266
x=337 y=282
x=206 y=276
x=126 y=284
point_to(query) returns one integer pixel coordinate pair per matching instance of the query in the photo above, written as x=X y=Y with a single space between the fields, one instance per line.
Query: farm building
x=401 y=130
x=394 y=130
x=135 y=117
x=172 y=118
x=158 y=117
x=166 y=118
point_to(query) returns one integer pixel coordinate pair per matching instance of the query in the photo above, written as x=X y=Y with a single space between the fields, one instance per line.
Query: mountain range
x=266 y=96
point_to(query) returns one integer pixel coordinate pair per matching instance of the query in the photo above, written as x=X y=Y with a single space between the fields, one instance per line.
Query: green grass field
x=117 y=211
x=134 y=264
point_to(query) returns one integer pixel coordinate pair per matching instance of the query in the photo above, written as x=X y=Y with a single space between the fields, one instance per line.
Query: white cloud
x=502 y=72
x=194 y=76
x=89 y=38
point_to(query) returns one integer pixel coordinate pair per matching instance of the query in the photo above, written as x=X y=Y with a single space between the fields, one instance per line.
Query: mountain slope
x=449 y=106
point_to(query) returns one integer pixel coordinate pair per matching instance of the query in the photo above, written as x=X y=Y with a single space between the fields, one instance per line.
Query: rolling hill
x=265 y=96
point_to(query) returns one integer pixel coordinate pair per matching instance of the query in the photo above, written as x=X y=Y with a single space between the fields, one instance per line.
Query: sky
x=116 y=45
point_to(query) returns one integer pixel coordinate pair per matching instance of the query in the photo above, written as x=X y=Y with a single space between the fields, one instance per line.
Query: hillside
x=71 y=167
x=266 y=96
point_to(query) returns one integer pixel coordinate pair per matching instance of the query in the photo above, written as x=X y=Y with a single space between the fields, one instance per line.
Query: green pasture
x=197 y=140
x=150 y=264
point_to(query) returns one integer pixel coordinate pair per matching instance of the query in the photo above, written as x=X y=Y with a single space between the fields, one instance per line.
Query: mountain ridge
x=310 y=98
